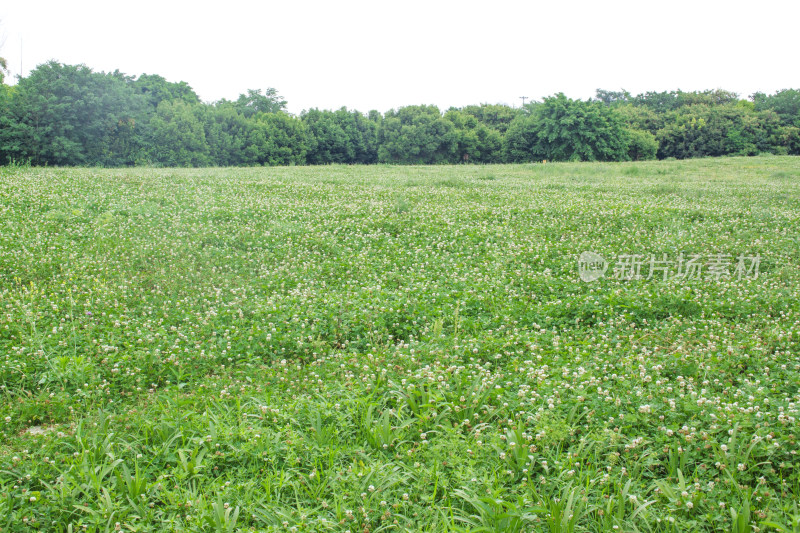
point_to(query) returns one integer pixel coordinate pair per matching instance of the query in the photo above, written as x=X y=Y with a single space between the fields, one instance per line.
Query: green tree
x=362 y=133
x=177 y=136
x=562 y=129
x=702 y=130
x=417 y=135
x=790 y=140
x=156 y=89
x=6 y=125
x=476 y=142
x=663 y=102
x=613 y=98
x=642 y=145
x=341 y=136
x=69 y=115
x=329 y=143
x=785 y=103
x=660 y=102
x=641 y=117
x=519 y=140
x=226 y=133
x=254 y=102
x=276 y=139
x=710 y=98
x=495 y=116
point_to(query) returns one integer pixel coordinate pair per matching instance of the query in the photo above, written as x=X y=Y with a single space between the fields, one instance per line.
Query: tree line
x=69 y=115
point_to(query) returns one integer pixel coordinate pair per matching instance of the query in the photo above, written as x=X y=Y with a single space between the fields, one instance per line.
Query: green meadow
x=385 y=348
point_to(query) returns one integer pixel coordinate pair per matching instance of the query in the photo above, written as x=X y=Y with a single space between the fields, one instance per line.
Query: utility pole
x=523 y=100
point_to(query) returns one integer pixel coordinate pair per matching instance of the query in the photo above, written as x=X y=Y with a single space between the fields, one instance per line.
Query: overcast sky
x=386 y=54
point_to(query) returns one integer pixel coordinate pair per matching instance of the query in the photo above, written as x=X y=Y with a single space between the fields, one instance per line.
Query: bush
x=642 y=145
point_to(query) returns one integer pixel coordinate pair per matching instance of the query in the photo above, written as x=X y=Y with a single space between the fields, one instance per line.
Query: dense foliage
x=398 y=349
x=562 y=129
x=62 y=115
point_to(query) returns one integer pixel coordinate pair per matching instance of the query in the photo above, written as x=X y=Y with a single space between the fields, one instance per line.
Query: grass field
x=379 y=348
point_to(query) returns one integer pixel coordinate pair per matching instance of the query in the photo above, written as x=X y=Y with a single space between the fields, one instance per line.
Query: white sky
x=386 y=54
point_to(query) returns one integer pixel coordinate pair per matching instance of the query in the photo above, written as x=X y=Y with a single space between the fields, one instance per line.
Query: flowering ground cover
x=401 y=348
